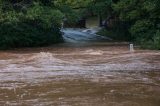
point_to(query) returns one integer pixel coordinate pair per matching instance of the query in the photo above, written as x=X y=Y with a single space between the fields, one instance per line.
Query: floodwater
x=86 y=74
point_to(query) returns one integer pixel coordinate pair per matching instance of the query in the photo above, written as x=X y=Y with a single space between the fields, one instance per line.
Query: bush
x=153 y=43
x=118 y=32
x=142 y=29
x=26 y=35
x=156 y=40
x=143 y=17
x=38 y=26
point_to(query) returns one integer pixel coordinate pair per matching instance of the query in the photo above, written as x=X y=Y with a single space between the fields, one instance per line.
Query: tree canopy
x=133 y=20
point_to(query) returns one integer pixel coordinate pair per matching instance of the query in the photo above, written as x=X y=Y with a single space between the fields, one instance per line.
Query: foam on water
x=93 y=52
x=83 y=76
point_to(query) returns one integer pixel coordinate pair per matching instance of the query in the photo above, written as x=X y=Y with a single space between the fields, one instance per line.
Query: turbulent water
x=87 y=73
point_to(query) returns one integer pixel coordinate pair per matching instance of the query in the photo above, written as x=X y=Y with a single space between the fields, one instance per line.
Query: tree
x=27 y=24
x=143 y=17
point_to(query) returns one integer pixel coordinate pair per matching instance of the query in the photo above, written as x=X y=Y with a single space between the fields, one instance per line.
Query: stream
x=86 y=70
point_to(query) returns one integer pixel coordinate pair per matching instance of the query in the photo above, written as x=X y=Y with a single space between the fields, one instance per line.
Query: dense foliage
x=37 y=22
x=25 y=23
x=143 y=17
x=135 y=20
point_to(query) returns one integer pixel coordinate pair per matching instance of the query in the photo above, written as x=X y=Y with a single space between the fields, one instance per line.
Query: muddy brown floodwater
x=94 y=75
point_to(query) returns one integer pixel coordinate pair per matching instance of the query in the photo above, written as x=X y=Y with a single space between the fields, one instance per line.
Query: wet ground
x=94 y=74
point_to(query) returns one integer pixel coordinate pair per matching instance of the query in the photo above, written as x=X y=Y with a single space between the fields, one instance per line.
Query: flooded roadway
x=87 y=74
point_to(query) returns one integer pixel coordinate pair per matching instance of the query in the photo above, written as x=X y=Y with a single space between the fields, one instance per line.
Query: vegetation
x=25 y=23
x=135 y=20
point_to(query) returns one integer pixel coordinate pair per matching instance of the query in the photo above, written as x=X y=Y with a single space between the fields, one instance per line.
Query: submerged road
x=85 y=71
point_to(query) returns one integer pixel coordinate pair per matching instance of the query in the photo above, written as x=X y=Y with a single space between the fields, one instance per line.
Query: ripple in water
x=80 y=76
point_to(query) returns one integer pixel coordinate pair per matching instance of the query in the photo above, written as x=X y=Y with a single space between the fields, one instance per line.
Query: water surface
x=90 y=73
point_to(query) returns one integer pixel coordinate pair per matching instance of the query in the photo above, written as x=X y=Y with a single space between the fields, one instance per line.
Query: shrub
x=38 y=26
x=156 y=40
x=23 y=34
